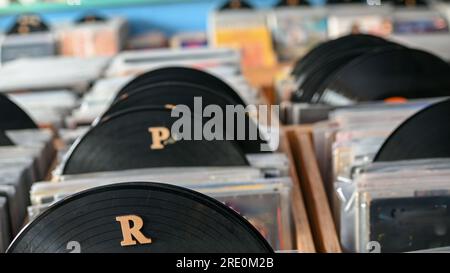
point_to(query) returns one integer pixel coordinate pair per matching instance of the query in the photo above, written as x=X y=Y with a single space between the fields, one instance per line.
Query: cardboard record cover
x=246 y=31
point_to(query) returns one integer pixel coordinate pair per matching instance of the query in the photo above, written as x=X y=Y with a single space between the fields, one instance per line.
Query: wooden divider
x=319 y=212
x=304 y=238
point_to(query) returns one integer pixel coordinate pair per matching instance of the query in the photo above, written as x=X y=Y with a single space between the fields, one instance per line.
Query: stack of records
x=47 y=108
x=359 y=69
x=146 y=127
x=92 y=36
x=388 y=178
x=164 y=65
x=261 y=192
x=359 y=18
x=51 y=73
x=26 y=154
x=28 y=37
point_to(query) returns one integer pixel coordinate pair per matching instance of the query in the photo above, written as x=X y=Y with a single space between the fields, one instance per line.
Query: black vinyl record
x=183 y=74
x=394 y=72
x=327 y=49
x=139 y=218
x=173 y=93
x=141 y=138
x=320 y=74
x=183 y=93
x=28 y=23
x=424 y=135
x=12 y=117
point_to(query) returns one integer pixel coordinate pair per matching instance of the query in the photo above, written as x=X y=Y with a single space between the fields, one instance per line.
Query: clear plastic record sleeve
x=404 y=209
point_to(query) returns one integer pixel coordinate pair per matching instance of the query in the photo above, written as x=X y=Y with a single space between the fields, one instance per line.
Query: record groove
x=232 y=233
x=424 y=135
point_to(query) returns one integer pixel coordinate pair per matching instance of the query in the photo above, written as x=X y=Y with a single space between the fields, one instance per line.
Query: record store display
x=225 y=127
x=26 y=153
x=399 y=200
x=93 y=35
x=51 y=73
x=29 y=36
x=335 y=74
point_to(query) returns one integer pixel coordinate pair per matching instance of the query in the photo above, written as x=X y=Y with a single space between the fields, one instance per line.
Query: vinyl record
x=141 y=138
x=395 y=72
x=182 y=93
x=12 y=117
x=319 y=74
x=424 y=135
x=139 y=218
x=327 y=49
x=28 y=23
x=164 y=93
x=184 y=74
